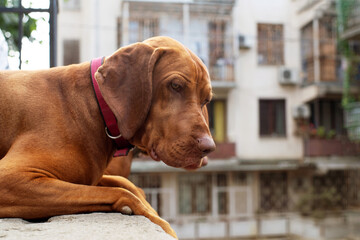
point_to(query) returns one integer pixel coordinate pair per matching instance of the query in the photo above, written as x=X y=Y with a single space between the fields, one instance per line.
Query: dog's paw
x=126 y=210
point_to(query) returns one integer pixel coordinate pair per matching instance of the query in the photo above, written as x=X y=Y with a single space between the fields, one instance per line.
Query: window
x=217 y=45
x=273 y=191
x=219 y=60
x=328 y=113
x=307 y=53
x=139 y=29
x=332 y=190
x=194 y=193
x=222 y=194
x=328 y=49
x=270 y=44
x=151 y=185
x=217 y=119
x=327 y=64
x=272 y=118
x=71 y=52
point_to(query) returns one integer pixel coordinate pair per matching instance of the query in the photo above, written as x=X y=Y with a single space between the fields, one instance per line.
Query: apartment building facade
x=283 y=157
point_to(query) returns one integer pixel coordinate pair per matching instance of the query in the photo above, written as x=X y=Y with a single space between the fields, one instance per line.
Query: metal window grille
x=270 y=44
x=317 y=195
x=329 y=63
x=20 y=10
x=307 y=53
x=151 y=185
x=195 y=193
x=143 y=28
x=273 y=192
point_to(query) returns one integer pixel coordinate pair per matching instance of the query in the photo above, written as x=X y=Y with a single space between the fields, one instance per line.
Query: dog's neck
x=111 y=128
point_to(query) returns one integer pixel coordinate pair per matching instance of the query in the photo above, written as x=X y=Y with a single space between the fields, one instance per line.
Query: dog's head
x=158 y=91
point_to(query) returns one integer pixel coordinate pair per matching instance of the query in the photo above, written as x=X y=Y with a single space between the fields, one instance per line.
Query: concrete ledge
x=84 y=227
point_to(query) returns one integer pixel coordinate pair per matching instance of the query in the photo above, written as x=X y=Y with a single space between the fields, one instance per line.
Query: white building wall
x=255 y=82
x=94 y=24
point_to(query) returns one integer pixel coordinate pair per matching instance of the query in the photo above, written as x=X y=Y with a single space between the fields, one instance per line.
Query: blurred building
x=284 y=165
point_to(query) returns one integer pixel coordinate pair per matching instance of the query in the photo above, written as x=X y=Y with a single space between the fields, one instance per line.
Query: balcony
x=315 y=147
x=224 y=150
x=320 y=58
x=204 y=26
x=221 y=69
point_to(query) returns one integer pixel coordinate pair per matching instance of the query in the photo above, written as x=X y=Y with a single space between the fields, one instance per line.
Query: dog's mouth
x=203 y=162
x=154 y=155
x=190 y=163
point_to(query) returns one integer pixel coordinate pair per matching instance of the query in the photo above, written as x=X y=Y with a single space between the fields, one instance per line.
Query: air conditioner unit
x=301 y=112
x=244 y=42
x=288 y=76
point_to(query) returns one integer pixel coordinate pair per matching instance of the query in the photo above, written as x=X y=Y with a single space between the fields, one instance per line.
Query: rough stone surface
x=84 y=227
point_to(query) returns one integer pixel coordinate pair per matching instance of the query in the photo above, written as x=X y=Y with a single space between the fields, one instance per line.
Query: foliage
x=316 y=204
x=321 y=132
x=345 y=9
x=308 y=130
x=9 y=24
x=330 y=134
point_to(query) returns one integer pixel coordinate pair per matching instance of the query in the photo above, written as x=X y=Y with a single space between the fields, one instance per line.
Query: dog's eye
x=205 y=103
x=176 y=86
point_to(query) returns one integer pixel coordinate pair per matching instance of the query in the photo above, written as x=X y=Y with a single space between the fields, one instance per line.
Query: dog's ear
x=125 y=81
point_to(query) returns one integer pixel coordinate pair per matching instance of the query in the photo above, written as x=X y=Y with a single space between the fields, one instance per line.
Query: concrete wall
x=109 y=226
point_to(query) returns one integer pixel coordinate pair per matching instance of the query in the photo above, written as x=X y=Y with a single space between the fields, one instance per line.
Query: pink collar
x=111 y=129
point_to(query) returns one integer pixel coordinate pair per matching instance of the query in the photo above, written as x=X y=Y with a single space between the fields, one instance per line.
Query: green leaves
x=9 y=24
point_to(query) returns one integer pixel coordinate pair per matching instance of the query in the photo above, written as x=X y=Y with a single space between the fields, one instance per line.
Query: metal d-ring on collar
x=112 y=137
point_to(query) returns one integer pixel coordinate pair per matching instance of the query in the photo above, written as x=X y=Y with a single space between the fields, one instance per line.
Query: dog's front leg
x=122 y=182
x=31 y=195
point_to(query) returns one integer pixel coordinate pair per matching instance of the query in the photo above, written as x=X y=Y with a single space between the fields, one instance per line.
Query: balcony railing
x=315 y=147
x=222 y=71
x=223 y=151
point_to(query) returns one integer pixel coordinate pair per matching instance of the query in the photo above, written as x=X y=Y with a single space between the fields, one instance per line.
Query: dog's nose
x=206 y=145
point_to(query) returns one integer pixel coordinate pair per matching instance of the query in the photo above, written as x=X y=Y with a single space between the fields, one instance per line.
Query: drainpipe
x=97 y=28
x=186 y=23
x=125 y=24
x=316 y=46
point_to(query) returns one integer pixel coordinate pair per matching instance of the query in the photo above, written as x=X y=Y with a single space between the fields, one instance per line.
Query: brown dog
x=53 y=147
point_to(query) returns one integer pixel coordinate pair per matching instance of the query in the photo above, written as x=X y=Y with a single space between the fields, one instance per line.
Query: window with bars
x=273 y=191
x=194 y=193
x=270 y=44
x=222 y=196
x=216 y=41
x=151 y=184
x=272 y=118
x=139 y=29
x=335 y=190
x=307 y=53
x=329 y=64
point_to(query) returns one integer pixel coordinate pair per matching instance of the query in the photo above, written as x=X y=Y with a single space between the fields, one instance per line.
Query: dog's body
x=53 y=146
